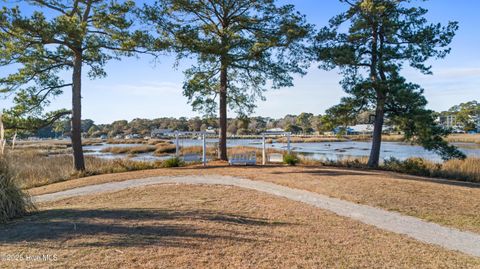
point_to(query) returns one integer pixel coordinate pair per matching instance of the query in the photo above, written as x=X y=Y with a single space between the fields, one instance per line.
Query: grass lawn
x=208 y=226
x=453 y=206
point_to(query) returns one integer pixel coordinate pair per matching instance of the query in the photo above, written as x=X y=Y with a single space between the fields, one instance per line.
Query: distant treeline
x=304 y=123
x=307 y=123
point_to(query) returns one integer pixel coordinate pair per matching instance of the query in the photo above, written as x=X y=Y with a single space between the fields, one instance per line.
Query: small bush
x=173 y=162
x=413 y=166
x=291 y=159
x=13 y=202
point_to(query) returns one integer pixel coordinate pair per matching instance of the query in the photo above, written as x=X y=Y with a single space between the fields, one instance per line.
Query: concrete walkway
x=424 y=231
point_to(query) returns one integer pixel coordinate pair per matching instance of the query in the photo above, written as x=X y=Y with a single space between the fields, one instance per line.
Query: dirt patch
x=205 y=226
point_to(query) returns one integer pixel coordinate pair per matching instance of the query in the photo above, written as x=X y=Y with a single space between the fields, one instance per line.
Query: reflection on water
x=317 y=151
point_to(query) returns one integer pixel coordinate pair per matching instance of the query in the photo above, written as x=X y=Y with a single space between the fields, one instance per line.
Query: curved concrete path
x=424 y=231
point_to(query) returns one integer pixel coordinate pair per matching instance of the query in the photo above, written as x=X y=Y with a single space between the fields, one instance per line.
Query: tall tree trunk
x=374 y=158
x=223 y=111
x=78 y=159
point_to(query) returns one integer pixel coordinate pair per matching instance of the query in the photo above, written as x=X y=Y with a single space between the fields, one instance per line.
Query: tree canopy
x=64 y=36
x=383 y=36
x=241 y=48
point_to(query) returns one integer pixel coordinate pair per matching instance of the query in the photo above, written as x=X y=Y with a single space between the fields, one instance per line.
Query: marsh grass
x=54 y=144
x=151 y=142
x=162 y=149
x=306 y=139
x=130 y=150
x=173 y=162
x=464 y=138
x=33 y=169
x=462 y=170
x=126 y=141
x=14 y=202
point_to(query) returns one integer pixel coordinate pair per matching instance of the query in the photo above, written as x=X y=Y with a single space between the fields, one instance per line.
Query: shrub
x=414 y=166
x=352 y=162
x=291 y=159
x=173 y=162
x=13 y=202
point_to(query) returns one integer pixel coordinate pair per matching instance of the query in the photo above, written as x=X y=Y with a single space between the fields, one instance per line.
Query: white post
x=264 y=153
x=288 y=143
x=177 y=153
x=204 y=150
x=13 y=140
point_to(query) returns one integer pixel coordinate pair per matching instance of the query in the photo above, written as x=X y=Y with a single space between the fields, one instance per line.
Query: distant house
x=363 y=129
x=210 y=130
x=478 y=123
x=162 y=132
x=275 y=130
x=359 y=129
x=449 y=121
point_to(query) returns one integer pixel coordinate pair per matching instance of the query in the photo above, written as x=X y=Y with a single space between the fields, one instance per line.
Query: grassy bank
x=462 y=170
x=36 y=168
x=33 y=168
x=160 y=149
x=464 y=138
x=13 y=202
x=129 y=150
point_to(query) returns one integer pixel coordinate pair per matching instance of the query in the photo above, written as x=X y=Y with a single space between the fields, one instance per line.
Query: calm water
x=318 y=151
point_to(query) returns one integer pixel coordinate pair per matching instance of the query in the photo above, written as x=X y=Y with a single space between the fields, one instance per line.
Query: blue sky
x=139 y=88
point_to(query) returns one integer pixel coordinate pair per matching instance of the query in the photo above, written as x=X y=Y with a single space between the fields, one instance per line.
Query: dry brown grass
x=445 y=204
x=453 y=138
x=212 y=151
x=468 y=169
x=33 y=168
x=158 y=141
x=164 y=149
x=209 y=227
x=54 y=144
x=130 y=150
x=14 y=202
x=152 y=141
x=464 y=138
x=307 y=139
x=342 y=138
x=462 y=170
x=126 y=141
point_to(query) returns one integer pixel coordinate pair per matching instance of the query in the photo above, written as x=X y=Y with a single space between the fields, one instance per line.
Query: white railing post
x=288 y=143
x=13 y=140
x=264 y=153
x=176 y=144
x=204 y=150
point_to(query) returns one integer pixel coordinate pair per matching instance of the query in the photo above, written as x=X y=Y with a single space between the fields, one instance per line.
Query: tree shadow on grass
x=130 y=227
x=327 y=172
